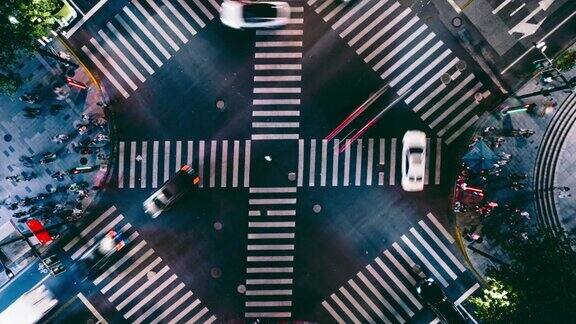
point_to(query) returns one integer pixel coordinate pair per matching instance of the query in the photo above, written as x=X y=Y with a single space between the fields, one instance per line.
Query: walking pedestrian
x=564 y=194
x=504 y=156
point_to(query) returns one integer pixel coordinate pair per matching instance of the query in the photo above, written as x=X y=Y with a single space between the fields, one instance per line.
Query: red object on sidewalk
x=76 y=83
x=37 y=228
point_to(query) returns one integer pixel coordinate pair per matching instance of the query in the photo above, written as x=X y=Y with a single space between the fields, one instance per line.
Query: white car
x=254 y=14
x=413 y=160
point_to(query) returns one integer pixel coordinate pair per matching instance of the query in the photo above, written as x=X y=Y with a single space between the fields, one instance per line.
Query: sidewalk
x=527 y=158
x=43 y=140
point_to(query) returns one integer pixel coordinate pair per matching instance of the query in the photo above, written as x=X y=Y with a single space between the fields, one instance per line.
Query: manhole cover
x=217 y=226
x=215 y=273
x=7 y=137
x=291 y=176
x=83 y=161
x=446 y=78
x=456 y=22
x=461 y=65
x=317 y=208
x=241 y=289
x=220 y=104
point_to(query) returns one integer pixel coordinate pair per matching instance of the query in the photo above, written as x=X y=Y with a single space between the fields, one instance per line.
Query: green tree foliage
x=566 y=61
x=497 y=303
x=540 y=281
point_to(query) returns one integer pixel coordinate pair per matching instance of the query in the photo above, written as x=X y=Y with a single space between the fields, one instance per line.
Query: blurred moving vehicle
x=431 y=293
x=413 y=160
x=30 y=308
x=254 y=14
x=100 y=254
x=185 y=179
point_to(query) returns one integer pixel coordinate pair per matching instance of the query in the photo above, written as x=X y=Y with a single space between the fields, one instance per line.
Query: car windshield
x=158 y=203
x=167 y=193
x=259 y=11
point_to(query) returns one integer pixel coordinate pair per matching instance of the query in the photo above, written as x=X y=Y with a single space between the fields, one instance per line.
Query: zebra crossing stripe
x=149 y=296
x=184 y=312
x=178 y=162
x=312 y=163
x=172 y=307
x=335 y=155
x=431 y=80
x=373 y=24
x=381 y=298
x=349 y=14
x=367 y=300
x=137 y=38
x=357 y=305
x=447 y=97
x=199 y=5
x=235 y=164
x=181 y=19
x=146 y=32
x=384 y=30
x=424 y=71
x=345 y=309
x=333 y=313
x=393 y=162
x=201 y=163
x=156 y=26
x=121 y=148
x=389 y=290
x=425 y=261
x=143 y=287
x=362 y=18
x=121 y=55
x=166 y=160
x=115 y=65
x=132 y=178
x=130 y=48
x=159 y=304
x=155 y=146
x=369 y=167
x=469 y=94
x=213 y=147
x=324 y=163
x=143 y=165
x=224 y=165
x=358 y=169
x=104 y=70
x=398 y=283
x=442 y=246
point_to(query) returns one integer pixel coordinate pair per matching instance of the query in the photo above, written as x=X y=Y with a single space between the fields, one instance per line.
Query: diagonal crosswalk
x=142 y=35
x=408 y=55
x=139 y=284
x=384 y=290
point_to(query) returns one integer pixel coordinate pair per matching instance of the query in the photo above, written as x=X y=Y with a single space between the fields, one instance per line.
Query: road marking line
x=121 y=55
x=516 y=10
x=184 y=312
x=143 y=163
x=224 y=175
x=269 y=281
x=425 y=261
x=130 y=48
x=455 y=6
x=253 y=213
x=427 y=162
x=373 y=24
x=387 y=28
x=323 y=6
x=156 y=26
x=201 y=152
x=277 y=78
x=92 y=309
x=134 y=279
x=429 y=97
x=395 y=36
x=438 y=160
x=215 y=5
x=431 y=80
x=399 y=267
x=105 y=71
x=277 y=90
x=424 y=71
x=346 y=180
x=447 y=97
x=271 y=201
x=261 y=137
x=456 y=104
x=462 y=129
x=141 y=288
x=398 y=283
x=345 y=309
x=275 y=292
x=235 y=164
x=300 y=162
x=333 y=313
x=349 y=14
x=404 y=256
x=270 y=270
x=258 y=102
x=281 y=213
x=407 y=56
x=283 y=32
x=440 y=228
x=442 y=246
x=89 y=228
x=126 y=271
x=393 y=162
x=178 y=161
x=296 y=21
x=146 y=32
x=168 y=22
x=390 y=291
x=356 y=305
x=132 y=178
x=280 y=258
x=467 y=294
x=296 y=9
x=85 y=18
x=399 y=47
x=202 y=8
x=456 y=119
x=210 y=320
x=268 y=303
x=155 y=153
x=121 y=148
x=501 y=6
x=213 y=147
x=381 y=158
x=360 y=20
x=272 y=189
x=270 y=247
x=336 y=153
x=271 y=224
x=257 y=236
x=273 y=55
x=149 y=296
x=166 y=160
x=92 y=241
x=381 y=298
x=312 y=163
x=172 y=307
x=334 y=12
x=368 y=301
x=279 y=44
x=180 y=18
x=137 y=38
x=197 y=316
x=358 y=175
x=370 y=158
x=247 y=164
x=324 y=163
x=276 y=113
x=276 y=125
x=269 y=67
x=161 y=302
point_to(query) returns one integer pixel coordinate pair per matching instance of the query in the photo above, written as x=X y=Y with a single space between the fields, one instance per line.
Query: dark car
x=184 y=180
x=95 y=259
x=433 y=295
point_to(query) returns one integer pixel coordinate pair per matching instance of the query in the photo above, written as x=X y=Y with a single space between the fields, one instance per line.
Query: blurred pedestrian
x=564 y=194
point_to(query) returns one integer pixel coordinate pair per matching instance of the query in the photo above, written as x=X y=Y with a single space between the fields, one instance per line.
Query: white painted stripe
x=155 y=153
x=312 y=163
x=323 y=6
x=362 y=18
x=215 y=5
x=358 y=175
x=393 y=162
x=159 y=304
x=369 y=165
x=274 y=55
x=198 y=316
x=279 y=44
x=121 y=149
x=381 y=158
x=202 y=8
x=461 y=115
x=467 y=294
x=456 y=104
x=356 y=305
x=281 y=213
x=429 y=97
x=105 y=71
x=147 y=33
x=272 y=189
x=403 y=254
x=381 y=298
x=373 y=24
x=336 y=154
x=413 y=50
x=247 y=163
x=277 y=90
x=166 y=160
x=271 y=224
x=275 y=292
x=126 y=271
x=268 y=281
x=137 y=38
x=300 y=163
x=178 y=162
x=90 y=227
x=425 y=261
x=257 y=236
x=172 y=307
x=156 y=26
x=277 y=78
x=345 y=309
x=440 y=228
x=384 y=30
x=184 y=312
x=279 y=258
x=398 y=283
x=130 y=48
x=368 y=301
x=96 y=236
x=257 y=102
x=253 y=213
x=346 y=180
x=349 y=14
x=334 y=11
x=390 y=291
x=431 y=80
x=270 y=201
x=399 y=47
x=268 y=303
x=267 y=314
x=269 y=67
x=455 y=6
x=149 y=296
x=442 y=246
x=294 y=21
x=201 y=151
x=143 y=287
x=296 y=9
x=134 y=279
x=283 y=32
x=399 y=267
x=115 y=65
x=143 y=162
x=427 y=162
x=276 y=125
x=438 y=161
x=333 y=313
x=276 y=113
x=235 y=160
x=448 y=96
x=224 y=171
x=324 y=163
x=501 y=6
x=84 y=18
x=210 y=320
x=119 y=263
x=270 y=247
x=121 y=55
x=270 y=270
x=265 y=137
x=462 y=129
x=513 y=12
x=424 y=71
x=92 y=309
x=170 y=24
x=213 y=147
x=180 y=18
